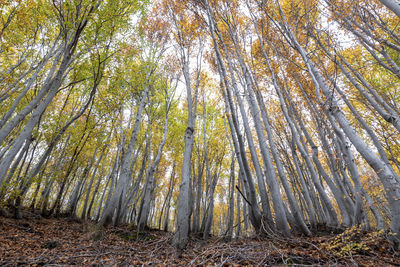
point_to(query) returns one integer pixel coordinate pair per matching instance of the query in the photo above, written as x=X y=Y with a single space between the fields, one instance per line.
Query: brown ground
x=40 y=241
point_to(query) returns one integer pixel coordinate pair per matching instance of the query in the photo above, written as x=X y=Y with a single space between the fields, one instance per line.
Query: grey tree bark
x=388 y=178
x=89 y=186
x=255 y=215
x=185 y=201
x=124 y=173
x=149 y=185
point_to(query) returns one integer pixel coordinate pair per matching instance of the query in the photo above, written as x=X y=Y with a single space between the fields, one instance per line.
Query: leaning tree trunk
x=89 y=187
x=255 y=215
x=122 y=184
x=229 y=226
x=150 y=184
x=166 y=202
x=388 y=178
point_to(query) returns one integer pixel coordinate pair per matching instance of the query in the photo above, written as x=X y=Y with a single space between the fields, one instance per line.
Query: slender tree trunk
x=392 y=5
x=167 y=198
x=124 y=173
x=150 y=183
x=229 y=226
x=89 y=187
x=388 y=178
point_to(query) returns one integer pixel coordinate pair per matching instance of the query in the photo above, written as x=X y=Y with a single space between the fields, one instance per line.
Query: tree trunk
x=122 y=184
x=150 y=183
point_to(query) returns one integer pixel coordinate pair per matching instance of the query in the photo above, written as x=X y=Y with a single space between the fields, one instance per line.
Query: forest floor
x=41 y=241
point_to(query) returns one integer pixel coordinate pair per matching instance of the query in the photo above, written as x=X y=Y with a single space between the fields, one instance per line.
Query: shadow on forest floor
x=49 y=241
